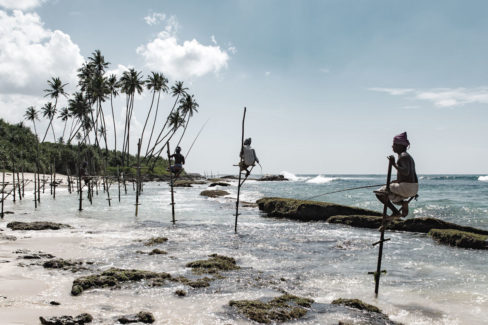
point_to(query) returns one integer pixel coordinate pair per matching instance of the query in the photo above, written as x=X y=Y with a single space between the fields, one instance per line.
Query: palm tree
x=188 y=108
x=177 y=90
x=99 y=91
x=80 y=111
x=64 y=115
x=97 y=60
x=130 y=83
x=31 y=115
x=114 y=92
x=56 y=89
x=158 y=83
x=49 y=111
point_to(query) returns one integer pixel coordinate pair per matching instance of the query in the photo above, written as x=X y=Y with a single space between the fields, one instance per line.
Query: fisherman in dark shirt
x=406 y=185
x=179 y=161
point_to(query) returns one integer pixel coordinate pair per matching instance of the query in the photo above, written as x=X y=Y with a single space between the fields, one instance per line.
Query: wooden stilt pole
x=55 y=184
x=3 y=188
x=13 y=177
x=240 y=174
x=138 y=174
x=118 y=180
x=171 y=184
x=18 y=186
x=22 y=169
x=378 y=272
x=80 y=187
x=35 y=190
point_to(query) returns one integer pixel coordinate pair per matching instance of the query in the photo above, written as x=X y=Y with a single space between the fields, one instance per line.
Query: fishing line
x=198 y=134
x=344 y=190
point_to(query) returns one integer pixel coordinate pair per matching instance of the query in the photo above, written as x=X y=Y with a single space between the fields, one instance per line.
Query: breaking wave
x=321 y=180
x=483 y=178
x=292 y=177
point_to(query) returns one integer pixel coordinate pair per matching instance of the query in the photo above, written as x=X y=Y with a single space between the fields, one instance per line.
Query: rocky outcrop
x=277 y=310
x=307 y=210
x=214 y=193
x=219 y=184
x=188 y=183
x=422 y=225
x=458 y=238
x=36 y=225
x=273 y=178
x=371 y=314
x=141 y=317
x=214 y=264
x=67 y=320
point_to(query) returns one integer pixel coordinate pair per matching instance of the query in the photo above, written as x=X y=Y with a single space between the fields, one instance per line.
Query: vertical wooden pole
x=13 y=178
x=80 y=186
x=54 y=184
x=171 y=184
x=377 y=274
x=239 y=181
x=35 y=190
x=138 y=174
x=22 y=170
x=118 y=180
x=3 y=187
x=18 y=186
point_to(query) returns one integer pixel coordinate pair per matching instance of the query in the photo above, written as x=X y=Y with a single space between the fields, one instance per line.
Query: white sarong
x=400 y=191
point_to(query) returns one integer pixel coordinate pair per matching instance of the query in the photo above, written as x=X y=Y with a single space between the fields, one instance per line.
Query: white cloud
x=213 y=39
x=181 y=61
x=393 y=91
x=21 y=4
x=443 y=97
x=232 y=49
x=31 y=54
x=118 y=71
x=155 y=18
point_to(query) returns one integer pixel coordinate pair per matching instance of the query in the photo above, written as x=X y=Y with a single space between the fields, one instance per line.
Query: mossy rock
x=424 y=225
x=214 y=264
x=197 y=283
x=59 y=263
x=458 y=238
x=187 y=183
x=155 y=241
x=114 y=277
x=357 y=221
x=280 y=309
x=357 y=304
x=36 y=225
x=157 y=251
x=303 y=210
x=219 y=184
x=180 y=293
x=214 y=193
x=272 y=178
x=67 y=320
x=141 y=317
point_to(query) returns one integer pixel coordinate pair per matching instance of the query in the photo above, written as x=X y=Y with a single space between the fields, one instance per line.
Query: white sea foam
x=321 y=180
x=292 y=177
x=483 y=178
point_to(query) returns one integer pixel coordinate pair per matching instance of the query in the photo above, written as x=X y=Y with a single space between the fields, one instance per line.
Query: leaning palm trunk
x=154 y=123
x=147 y=117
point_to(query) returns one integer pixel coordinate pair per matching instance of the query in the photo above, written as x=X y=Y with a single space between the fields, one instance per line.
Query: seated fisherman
x=248 y=157
x=406 y=185
x=179 y=161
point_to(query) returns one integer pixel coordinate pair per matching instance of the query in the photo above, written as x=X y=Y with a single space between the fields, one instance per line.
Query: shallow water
x=426 y=283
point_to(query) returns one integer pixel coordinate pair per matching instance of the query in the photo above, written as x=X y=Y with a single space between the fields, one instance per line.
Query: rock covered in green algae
x=59 y=263
x=272 y=178
x=357 y=304
x=141 y=317
x=458 y=238
x=280 y=309
x=197 y=283
x=357 y=221
x=114 y=277
x=302 y=210
x=214 y=193
x=67 y=320
x=219 y=184
x=180 y=293
x=157 y=251
x=36 y=225
x=214 y=264
x=155 y=241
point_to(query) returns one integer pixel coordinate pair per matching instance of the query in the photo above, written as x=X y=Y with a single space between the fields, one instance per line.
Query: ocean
x=426 y=283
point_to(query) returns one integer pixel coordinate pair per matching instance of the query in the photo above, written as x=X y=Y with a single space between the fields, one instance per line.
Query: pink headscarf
x=401 y=139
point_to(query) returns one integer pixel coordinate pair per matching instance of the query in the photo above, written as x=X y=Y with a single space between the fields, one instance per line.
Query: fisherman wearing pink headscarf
x=406 y=185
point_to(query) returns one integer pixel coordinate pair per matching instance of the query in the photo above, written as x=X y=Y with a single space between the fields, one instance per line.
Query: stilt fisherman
x=406 y=185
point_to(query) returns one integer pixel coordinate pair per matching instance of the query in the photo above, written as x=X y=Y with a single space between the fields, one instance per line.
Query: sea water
x=426 y=283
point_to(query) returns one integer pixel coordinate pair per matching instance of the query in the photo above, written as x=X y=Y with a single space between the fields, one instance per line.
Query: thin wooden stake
x=171 y=184
x=377 y=274
x=13 y=177
x=239 y=183
x=54 y=184
x=80 y=187
x=3 y=188
x=138 y=174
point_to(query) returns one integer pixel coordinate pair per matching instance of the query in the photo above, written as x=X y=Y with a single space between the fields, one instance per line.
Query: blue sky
x=327 y=84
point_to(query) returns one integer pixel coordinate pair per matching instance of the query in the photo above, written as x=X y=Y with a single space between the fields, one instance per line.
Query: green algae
x=114 y=277
x=157 y=251
x=198 y=283
x=213 y=265
x=357 y=304
x=280 y=309
x=36 y=225
x=459 y=238
x=59 y=263
x=155 y=241
x=214 y=193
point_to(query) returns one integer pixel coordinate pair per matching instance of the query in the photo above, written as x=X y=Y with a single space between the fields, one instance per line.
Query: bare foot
x=404 y=208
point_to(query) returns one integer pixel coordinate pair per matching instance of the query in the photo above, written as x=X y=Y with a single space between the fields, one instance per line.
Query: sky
x=327 y=84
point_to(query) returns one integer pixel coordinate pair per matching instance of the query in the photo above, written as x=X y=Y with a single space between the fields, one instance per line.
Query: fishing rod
x=198 y=134
x=344 y=190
